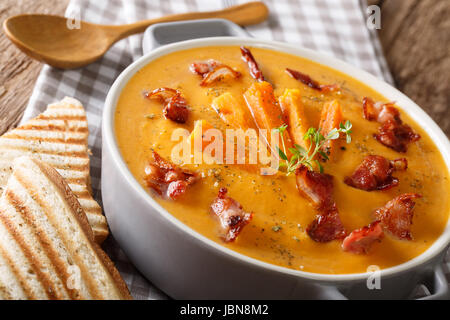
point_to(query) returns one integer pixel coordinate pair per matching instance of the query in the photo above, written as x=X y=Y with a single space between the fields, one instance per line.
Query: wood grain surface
x=415 y=35
x=18 y=73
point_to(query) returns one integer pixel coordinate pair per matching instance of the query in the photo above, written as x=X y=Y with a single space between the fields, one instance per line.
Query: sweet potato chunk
x=200 y=127
x=212 y=140
x=262 y=105
x=264 y=108
x=294 y=114
x=231 y=110
x=200 y=130
x=330 y=119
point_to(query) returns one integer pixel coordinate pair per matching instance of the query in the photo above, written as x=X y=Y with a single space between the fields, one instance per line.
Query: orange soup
x=277 y=233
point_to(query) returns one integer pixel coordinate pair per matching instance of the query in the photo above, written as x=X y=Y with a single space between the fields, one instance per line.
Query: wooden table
x=415 y=35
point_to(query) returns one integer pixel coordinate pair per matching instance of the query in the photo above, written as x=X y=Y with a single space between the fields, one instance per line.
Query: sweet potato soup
x=288 y=220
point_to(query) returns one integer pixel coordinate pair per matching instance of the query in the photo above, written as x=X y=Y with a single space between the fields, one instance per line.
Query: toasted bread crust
x=35 y=263
x=44 y=241
x=57 y=137
x=78 y=212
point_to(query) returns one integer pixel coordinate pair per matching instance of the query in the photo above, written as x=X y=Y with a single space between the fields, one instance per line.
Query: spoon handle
x=244 y=14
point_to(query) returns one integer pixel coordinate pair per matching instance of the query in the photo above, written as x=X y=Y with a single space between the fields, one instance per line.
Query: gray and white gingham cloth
x=335 y=27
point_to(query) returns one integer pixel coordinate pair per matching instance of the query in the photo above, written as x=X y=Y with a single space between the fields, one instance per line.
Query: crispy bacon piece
x=231 y=215
x=327 y=226
x=393 y=133
x=303 y=78
x=163 y=95
x=375 y=173
x=167 y=179
x=396 y=215
x=176 y=109
x=204 y=67
x=307 y=80
x=396 y=135
x=400 y=164
x=255 y=72
x=218 y=73
x=316 y=187
x=175 y=106
x=360 y=241
x=380 y=112
x=329 y=87
x=212 y=71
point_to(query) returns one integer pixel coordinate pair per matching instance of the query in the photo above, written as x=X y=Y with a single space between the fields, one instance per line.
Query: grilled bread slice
x=47 y=248
x=58 y=137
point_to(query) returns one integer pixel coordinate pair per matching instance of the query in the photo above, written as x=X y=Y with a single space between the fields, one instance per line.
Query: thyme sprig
x=301 y=156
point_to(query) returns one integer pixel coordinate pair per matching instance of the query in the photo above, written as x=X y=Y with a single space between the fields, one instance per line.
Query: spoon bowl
x=55 y=41
x=47 y=38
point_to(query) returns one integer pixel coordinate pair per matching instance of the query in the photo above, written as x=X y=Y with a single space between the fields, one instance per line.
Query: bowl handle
x=331 y=293
x=439 y=284
x=169 y=32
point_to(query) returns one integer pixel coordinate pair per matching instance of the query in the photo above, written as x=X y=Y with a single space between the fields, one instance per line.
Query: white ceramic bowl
x=187 y=265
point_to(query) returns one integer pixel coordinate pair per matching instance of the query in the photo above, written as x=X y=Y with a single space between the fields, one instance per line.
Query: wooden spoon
x=48 y=38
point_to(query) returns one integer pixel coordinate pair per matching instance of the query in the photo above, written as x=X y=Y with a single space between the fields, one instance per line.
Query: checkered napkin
x=335 y=27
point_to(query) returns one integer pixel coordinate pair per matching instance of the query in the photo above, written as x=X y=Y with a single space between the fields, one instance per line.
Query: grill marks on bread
x=47 y=249
x=57 y=137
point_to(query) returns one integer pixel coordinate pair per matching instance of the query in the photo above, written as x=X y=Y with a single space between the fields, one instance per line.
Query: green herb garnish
x=301 y=156
x=276 y=228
